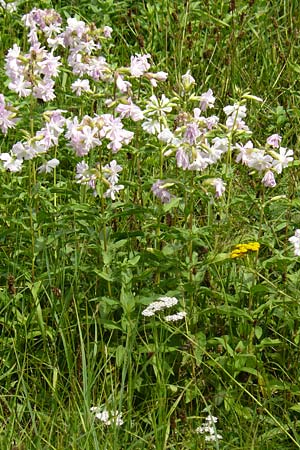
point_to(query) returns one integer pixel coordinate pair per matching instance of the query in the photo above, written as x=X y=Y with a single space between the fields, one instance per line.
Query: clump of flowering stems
x=182 y=128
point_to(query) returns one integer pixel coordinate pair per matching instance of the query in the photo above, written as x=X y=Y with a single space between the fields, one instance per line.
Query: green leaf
x=295 y=408
x=258 y=332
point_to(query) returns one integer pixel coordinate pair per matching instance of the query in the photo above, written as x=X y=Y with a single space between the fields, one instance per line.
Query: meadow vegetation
x=149 y=214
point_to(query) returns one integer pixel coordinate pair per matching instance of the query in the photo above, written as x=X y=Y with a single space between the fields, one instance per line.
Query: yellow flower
x=241 y=249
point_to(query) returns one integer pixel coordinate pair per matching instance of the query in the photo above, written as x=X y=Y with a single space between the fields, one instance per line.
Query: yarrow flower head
x=175 y=317
x=208 y=429
x=159 y=305
x=107 y=417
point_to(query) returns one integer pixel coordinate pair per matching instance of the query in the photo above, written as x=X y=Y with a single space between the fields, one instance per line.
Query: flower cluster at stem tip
x=190 y=137
x=241 y=249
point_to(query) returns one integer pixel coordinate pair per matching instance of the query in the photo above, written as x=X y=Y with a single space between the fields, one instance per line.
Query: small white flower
x=80 y=86
x=207 y=100
x=139 y=65
x=209 y=429
x=108 y=418
x=282 y=159
x=219 y=185
x=274 y=140
x=111 y=171
x=48 y=166
x=113 y=190
x=295 y=240
x=10 y=163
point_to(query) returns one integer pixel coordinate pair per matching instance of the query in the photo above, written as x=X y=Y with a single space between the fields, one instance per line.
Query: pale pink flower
x=111 y=171
x=192 y=132
x=123 y=86
x=107 y=31
x=259 y=160
x=10 y=163
x=219 y=185
x=113 y=190
x=269 y=179
x=159 y=190
x=80 y=86
x=130 y=110
x=182 y=159
x=48 y=166
x=207 y=100
x=139 y=65
x=236 y=110
x=274 y=140
x=282 y=159
x=152 y=126
x=245 y=152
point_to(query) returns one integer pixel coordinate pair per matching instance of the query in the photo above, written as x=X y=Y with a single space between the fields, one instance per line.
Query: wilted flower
x=160 y=191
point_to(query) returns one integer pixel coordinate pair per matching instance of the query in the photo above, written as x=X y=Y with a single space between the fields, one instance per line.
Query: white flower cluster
x=209 y=429
x=159 y=305
x=38 y=145
x=108 y=418
x=174 y=317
